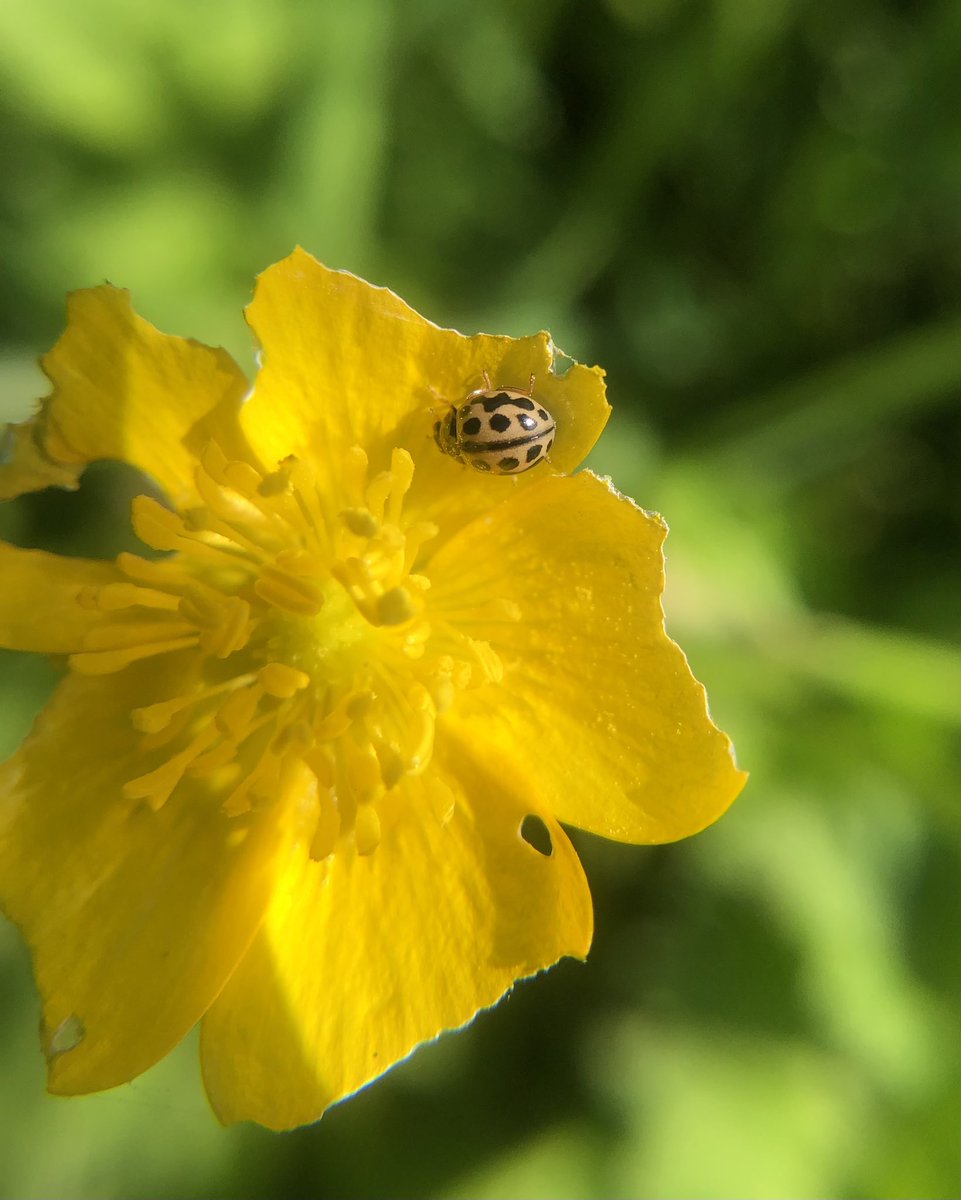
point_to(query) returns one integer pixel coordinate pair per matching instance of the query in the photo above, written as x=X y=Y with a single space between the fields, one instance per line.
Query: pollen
x=306 y=619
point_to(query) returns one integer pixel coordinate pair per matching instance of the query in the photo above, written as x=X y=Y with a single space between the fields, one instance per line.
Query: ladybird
x=500 y=430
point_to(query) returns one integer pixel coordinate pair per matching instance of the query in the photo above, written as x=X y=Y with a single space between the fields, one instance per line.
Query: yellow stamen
x=281 y=681
x=326 y=831
x=106 y=662
x=367 y=830
x=314 y=642
x=395 y=607
x=236 y=713
x=297 y=596
x=361 y=522
x=160 y=528
x=156 y=786
x=113 y=597
x=232 y=632
x=244 y=480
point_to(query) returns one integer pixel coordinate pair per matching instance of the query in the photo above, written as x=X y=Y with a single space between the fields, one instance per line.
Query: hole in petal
x=91 y=522
x=537 y=835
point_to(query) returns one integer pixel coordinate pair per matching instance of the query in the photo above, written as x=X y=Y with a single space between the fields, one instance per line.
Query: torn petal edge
x=25 y=464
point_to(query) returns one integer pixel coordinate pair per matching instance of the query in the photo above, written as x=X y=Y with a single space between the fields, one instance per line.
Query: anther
x=155 y=525
x=214 y=759
x=395 y=607
x=274 y=484
x=392 y=765
x=243 y=478
x=359 y=705
x=355 y=471
x=237 y=711
x=294 y=738
x=327 y=830
x=157 y=786
x=361 y=522
x=282 y=681
x=295 y=561
x=152 y=718
x=201 y=609
x=233 y=631
x=367 y=830
x=292 y=594
x=320 y=762
x=363 y=776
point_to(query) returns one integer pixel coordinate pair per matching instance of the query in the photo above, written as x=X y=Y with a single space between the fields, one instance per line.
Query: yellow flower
x=282 y=786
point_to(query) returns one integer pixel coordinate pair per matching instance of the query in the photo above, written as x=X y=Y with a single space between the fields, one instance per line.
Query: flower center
x=303 y=614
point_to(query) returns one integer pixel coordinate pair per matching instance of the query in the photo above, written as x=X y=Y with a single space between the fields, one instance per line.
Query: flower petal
x=25 y=465
x=123 y=390
x=348 y=364
x=623 y=743
x=134 y=918
x=361 y=959
x=40 y=607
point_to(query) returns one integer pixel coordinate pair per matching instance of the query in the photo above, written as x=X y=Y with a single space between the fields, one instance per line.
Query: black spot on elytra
x=537 y=835
x=526 y=422
x=479 y=464
x=500 y=422
x=533 y=452
x=509 y=464
x=471 y=426
x=500 y=399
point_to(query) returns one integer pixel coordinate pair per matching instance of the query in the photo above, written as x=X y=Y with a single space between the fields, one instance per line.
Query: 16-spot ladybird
x=500 y=430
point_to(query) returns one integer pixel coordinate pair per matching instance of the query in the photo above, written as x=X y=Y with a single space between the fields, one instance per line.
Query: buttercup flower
x=285 y=784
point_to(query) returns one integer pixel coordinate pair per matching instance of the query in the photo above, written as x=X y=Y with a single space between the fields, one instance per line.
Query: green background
x=749 y=212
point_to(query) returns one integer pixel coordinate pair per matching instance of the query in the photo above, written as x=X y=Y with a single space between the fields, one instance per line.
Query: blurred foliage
x=750 y=212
